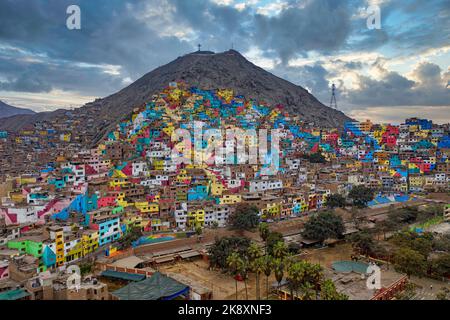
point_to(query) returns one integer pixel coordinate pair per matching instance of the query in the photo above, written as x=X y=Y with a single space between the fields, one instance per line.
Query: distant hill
x=205 y=70
x=8 y=111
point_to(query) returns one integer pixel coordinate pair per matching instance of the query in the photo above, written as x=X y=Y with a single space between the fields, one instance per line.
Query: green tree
x=257 y=266
x=442 y=243
x=223 y=247
x=363 y=242
x=444 y=294
x=408 y=292
x=307 y=291
x=254 y=255
x=294 y=248
x=335 y=201
x=409 y=261
x=323 y=225
x=272 y=239
x=406 y=215
x=422 y=243
x=132 y=235
x=387 y=225
x=235 y=265
x=328 y=291
x=278 y=266
x=440 y=266
x=314 y=275
x=295 y=274
x=245 y=217
x=267 y=266
x=361 y=196
x=264 y=232
x=198 y=232
x=86 y=268
x=245 y=268
x=280 y=250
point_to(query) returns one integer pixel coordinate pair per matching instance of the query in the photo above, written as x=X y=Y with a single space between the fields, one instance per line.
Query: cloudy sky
x=385 y=74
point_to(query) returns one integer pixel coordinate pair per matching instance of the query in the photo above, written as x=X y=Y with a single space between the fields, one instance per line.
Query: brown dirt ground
x=328 y=255
x=222 y=285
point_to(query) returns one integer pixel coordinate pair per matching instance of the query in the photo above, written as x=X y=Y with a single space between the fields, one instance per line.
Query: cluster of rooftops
x=90 y=199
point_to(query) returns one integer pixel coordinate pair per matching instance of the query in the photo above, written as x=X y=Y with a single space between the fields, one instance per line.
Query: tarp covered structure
x=122 y=275
x=157 y=287
x=14 y=294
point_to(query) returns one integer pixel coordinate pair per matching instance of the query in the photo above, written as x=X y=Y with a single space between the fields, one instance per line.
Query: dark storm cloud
x=111 y=34
x=26 y=82
x=24 y=75
x=393 y=89
x=216 y=26
x=321 y=25
x=313 y=77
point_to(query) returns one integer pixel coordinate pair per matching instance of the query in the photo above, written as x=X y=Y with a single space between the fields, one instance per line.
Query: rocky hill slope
x=8 y=111
x=206 y=70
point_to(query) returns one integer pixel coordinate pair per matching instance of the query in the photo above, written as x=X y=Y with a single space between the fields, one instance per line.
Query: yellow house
x=217 y=188
x=119 y=179
x=133 y=221
x=17 y=197
x=65 y=137
x=183 y=176
x=196 y=218
x=59 y=244
x=27 y=180
x=272 y=209
x=169 y=130
x=230 y=198
x=123 y=203
x=416 y=181
x=90 y=241
x=145 y=207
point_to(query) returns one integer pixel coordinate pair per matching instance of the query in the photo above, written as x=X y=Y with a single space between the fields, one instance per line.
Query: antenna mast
x=333 y=103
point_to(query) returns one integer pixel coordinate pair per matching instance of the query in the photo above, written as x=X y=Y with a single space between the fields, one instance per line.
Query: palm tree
x=255 y=264
x=279 y=271
x=254 y=252
x=258 y=267
x=198 y=232
x=267 y=266
x=315 y=276
x=328 y=291
x=245 y=266
x=264 y=232
x=280 y=250
x=295 y=273
x=235 y=263
x=307 y=289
